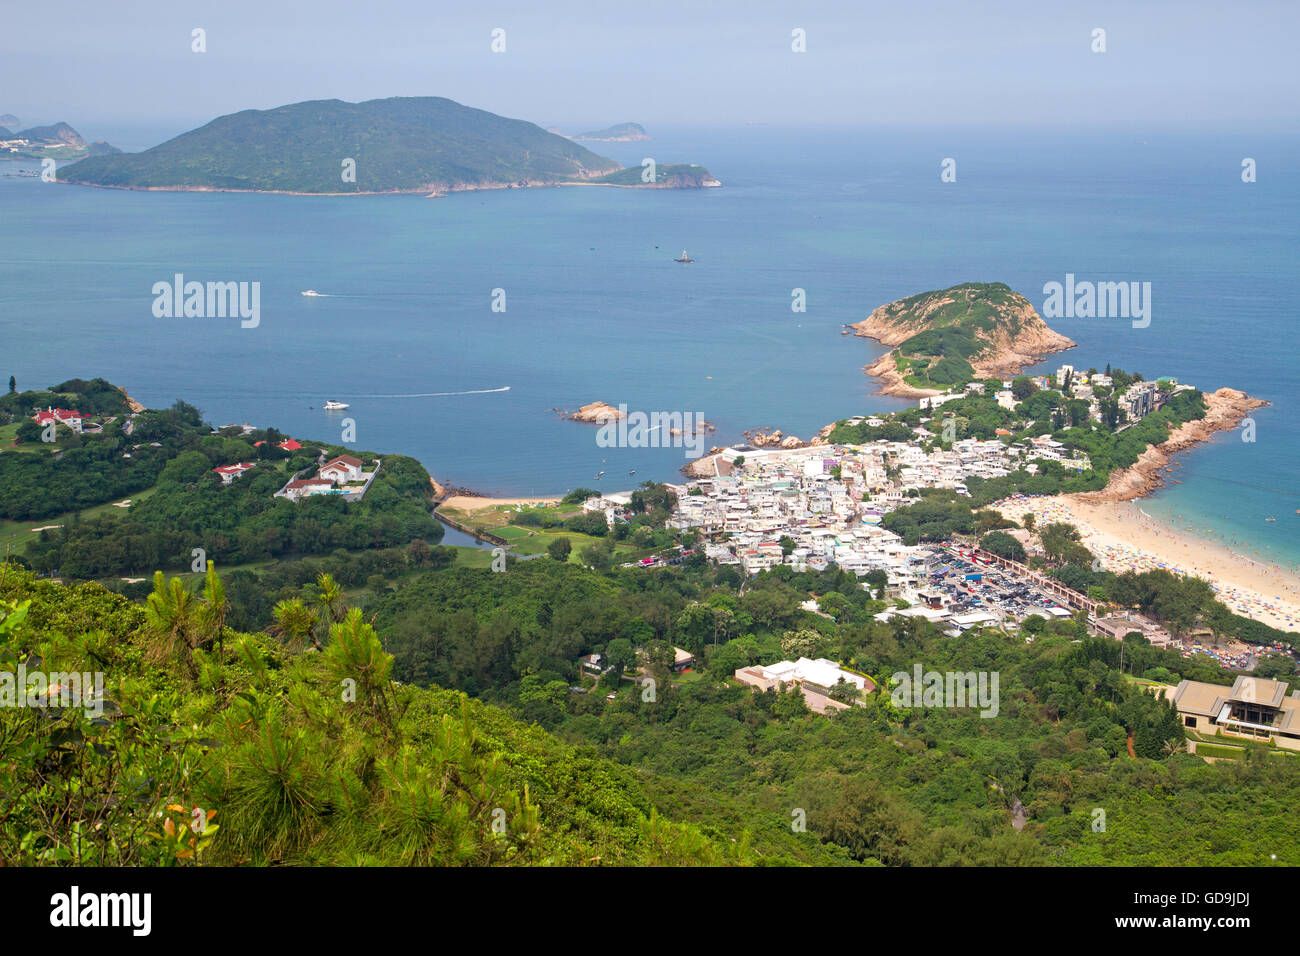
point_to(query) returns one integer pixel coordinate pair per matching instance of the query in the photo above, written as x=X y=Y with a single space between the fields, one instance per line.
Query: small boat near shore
x=312 y=292
x=683 y=257
x=332 y=406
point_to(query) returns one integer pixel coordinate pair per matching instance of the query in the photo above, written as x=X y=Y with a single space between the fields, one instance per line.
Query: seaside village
x=827 y=502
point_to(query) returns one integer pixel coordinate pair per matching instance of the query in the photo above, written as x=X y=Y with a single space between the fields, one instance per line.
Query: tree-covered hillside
x=399 y=144
x=216 y=747
x=296 y=745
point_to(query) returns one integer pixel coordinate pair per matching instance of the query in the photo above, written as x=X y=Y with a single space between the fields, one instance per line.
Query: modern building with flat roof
x=1252 y=707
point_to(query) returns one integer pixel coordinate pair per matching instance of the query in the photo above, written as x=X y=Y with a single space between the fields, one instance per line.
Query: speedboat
x=310 y=292
x=334 y=406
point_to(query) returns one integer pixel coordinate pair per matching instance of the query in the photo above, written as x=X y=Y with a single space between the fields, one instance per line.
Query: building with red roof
x=64 y=416
x=229 y=473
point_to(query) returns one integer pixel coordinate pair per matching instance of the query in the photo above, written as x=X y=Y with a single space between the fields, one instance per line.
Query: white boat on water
x=311 y=292
x=334 y=406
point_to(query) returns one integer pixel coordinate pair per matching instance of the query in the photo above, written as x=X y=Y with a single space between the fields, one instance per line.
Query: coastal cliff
x=1225 y=410
x=131 y=403
x=952 y=336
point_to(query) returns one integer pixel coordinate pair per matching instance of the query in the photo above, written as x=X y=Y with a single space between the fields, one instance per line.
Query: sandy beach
x=466 y=503
x=1125 y=539
x=478 y=503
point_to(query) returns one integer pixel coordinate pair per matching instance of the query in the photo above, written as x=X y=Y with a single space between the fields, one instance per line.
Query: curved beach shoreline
x=1125 y=538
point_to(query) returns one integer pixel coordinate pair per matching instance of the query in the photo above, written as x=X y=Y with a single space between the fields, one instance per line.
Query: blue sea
x=595 y=308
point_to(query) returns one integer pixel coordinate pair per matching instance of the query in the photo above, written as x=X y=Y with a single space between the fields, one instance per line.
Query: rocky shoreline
x=131 y=403
x=1008 y=353
x=593 y=413
x=1226 y=409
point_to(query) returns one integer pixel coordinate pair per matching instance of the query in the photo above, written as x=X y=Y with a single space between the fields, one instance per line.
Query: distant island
x=59 y=141
x=621 y=133
x=953 y=336
x=667 y=176
x=397 y=145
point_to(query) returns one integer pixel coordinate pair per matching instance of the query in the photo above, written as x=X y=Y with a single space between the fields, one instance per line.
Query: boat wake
x=472 y=391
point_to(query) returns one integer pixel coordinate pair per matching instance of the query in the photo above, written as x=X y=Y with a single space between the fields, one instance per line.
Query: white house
x=63 y=416
x=305 y=488
x=342 y=469
x=229 y=473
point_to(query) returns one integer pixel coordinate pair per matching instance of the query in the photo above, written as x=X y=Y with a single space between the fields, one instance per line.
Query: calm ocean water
x=597 y=310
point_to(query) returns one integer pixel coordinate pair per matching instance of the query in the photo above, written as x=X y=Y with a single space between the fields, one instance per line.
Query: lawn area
x=530 y=541
x=14 y=535
x=1142 y=681
x=1218 y=750
x=498 y=516
x=467 y=557
x=9 y=433
x=1215 y=747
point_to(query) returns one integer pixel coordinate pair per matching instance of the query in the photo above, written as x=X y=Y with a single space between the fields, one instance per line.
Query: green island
x=952 y=336
x=383 y=703
x=58 y=141
x=329 y=147
x=618 y=133
x=667 y=176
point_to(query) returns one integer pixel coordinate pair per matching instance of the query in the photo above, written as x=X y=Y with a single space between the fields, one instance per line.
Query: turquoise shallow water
x=597 y=310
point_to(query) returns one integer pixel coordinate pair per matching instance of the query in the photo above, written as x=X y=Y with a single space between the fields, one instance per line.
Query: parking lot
x=994 y=591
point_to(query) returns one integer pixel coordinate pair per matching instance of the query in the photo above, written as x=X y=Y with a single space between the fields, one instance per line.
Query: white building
x=342 y=469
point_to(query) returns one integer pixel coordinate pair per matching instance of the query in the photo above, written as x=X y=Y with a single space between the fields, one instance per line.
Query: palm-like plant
x=355 y=653
x=329 y=600
x=299 y=621
x=210 y=615
x=178 y=624
x=170 y=621
x=296 y=623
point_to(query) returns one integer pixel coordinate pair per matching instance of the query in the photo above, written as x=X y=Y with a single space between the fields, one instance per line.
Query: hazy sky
x=1181 y=63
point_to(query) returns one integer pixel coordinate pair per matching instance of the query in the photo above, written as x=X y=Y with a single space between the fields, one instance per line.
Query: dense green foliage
x=239 y=523
x=931 y=519
x=297 y=772
x=95 y=397
x=952 y=326
x=972 y=306
x=287 y=757
x=171 y=454
x=399 y=144
x=879 y=784
x=80 y=471
x=1003 y=545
